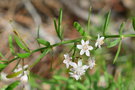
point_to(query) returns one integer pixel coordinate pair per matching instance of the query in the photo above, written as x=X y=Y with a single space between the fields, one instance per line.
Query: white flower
x=78 y=69
x=99 y=41
x=85 y=47
x=24 y=77
x=67 y=60
x=19 y=68
x=91 y=63
x=74 y=75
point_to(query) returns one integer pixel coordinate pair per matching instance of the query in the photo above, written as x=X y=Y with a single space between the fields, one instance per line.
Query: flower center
x=100 y=42
x=85 y=47
x=79 y=71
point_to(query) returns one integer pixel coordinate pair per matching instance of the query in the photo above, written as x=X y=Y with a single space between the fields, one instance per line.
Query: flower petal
x=87 y=42
x=82 y=52
x=77 y=77
x=80 y=63
x=98 y=36
x=65 y=55
x=99 y=46
x=82 y=42
x=87 y=53
x=73 y=64
x=102 y=38
x=90 y=47
x=24 y=78
x=85 y=67
x=65 y=61
x=67 y=65
x=96 y=44
x=79 y=46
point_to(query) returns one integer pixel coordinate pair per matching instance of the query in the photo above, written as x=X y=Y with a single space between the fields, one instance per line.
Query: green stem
x=112 y=36
x=54 y=45
x=118 y=52
x=66 y=42
x=16 y=65
x=73 y=41
x=117 y=36
x=57 y=44
x=129 y=35
x=13 y=59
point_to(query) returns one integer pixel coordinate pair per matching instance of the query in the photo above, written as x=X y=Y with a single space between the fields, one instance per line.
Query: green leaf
x=14 y=74
x=58 y=28
x=23 y=55
x=114 y=43
x=133 y=23
x=41 y=41
x=80 y=29
x=11 y=45
x=55 y=25
x=107 y=20
x=2 y=66
x=13 y=85
x=60 y=20
x=20 y=43
x=121 y=28
x=118 y=51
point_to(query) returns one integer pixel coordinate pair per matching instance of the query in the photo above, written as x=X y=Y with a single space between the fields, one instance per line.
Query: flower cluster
x=23 y=76
x=78 y=69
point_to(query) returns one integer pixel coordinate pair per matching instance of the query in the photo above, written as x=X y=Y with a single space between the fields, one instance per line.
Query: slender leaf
x=121 y=28
x=41 y=41
x=58 y=28
x=13 y=85
x=20 y=43
x=60 y=20
x=61 y=33
x=11 y=45
x=23 y=55
x=59 y=24
x=133 y=23
x=14 y=74
x=114 y=43
x=80 y=29
x=118 y=51
x=55 y=25
x=107 y=20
